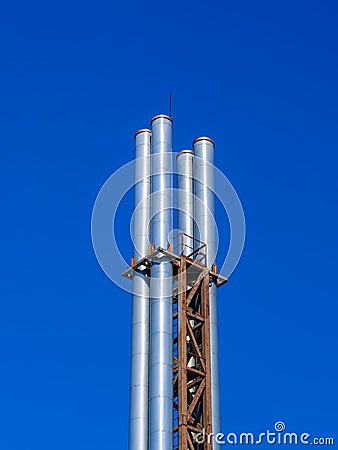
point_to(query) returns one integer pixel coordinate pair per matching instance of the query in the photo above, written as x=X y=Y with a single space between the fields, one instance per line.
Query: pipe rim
x=203 y=138
x=142 y=130
x=162 y=116
x=191 y=152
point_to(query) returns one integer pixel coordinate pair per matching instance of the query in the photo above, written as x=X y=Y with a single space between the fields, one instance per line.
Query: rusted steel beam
x=197 y=397
x=194 y=315
x=195 y=345
x=195 y=371
x=206 y=340
x=196 y=429
x=182 y=357
x=191 y=445
x=196 y=286
x=192 y=384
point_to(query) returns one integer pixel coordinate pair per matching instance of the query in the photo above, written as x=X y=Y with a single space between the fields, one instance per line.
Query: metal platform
x=194 y=268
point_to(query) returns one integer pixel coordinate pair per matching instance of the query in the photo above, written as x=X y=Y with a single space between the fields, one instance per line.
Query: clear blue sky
x=77 y=79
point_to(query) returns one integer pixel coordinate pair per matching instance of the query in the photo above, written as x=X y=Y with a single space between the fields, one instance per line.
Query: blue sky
x=77 y=79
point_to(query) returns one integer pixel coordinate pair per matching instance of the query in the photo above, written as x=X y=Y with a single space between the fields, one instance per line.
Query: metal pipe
x=185 y=199
x=161 y=335
x=185 y=213
x=139 y=385
x=205 y=230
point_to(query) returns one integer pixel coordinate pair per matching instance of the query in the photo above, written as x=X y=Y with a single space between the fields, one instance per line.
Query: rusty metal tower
x=174 y=392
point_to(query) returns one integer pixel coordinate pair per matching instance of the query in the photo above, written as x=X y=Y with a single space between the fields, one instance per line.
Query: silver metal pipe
x=139 y=385
x=205 y=230
x=185 y=213
x=185 y=199
x=161 y=335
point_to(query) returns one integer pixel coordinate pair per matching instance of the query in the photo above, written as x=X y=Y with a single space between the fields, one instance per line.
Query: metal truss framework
x=191 y=343
x=191 y=373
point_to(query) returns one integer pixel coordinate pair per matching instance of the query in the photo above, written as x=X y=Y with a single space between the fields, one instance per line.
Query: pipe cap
x=161 y=116
x=203 y=138
x=191 y=152
x=142 y=130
